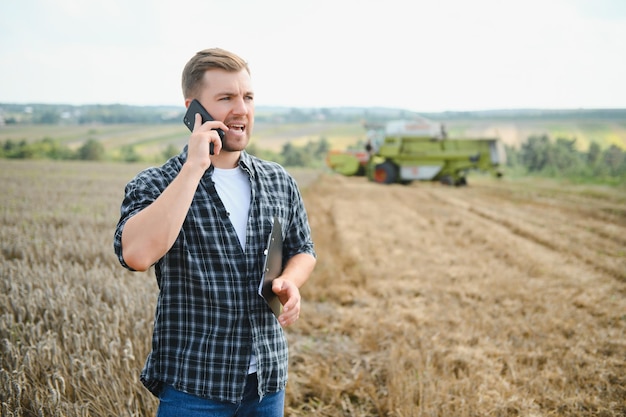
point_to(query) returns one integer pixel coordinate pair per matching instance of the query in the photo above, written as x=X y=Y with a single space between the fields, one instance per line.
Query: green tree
x=322 y=148
x=563 y=158
x=7 y=148
x=170 y=151
x=292 y=155
x=21 y=150
x=129 y=154
x=593 y=154
x=534 y=153
x=91 y=150
x=615 y=161
x=50 y=148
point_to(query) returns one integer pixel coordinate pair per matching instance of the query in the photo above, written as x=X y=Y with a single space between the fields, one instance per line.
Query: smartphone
x=190 y=119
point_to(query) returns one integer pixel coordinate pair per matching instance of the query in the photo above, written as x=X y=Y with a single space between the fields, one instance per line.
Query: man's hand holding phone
x=205 y=131
x=204 y=142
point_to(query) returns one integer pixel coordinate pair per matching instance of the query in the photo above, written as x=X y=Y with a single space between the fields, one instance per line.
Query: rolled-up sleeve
x=139 y=193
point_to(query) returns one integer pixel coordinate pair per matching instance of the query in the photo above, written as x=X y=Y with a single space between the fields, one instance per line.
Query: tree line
x=539 y=156
x=312 y=154
x=560 y=158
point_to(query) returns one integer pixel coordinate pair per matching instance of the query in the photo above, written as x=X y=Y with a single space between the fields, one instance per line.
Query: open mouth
x=237 y=127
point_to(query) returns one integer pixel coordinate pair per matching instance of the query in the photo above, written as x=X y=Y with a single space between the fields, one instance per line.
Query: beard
x=235 y=144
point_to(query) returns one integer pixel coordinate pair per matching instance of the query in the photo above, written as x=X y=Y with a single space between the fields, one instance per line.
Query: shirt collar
x=245 y=162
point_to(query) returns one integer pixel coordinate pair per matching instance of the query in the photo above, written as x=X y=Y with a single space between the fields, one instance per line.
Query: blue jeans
x=175 y=403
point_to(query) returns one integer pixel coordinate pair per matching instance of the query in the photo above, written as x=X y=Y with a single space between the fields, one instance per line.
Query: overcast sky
x=419 y=55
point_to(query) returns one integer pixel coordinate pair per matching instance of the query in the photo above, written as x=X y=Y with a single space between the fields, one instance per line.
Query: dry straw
x=499 y=299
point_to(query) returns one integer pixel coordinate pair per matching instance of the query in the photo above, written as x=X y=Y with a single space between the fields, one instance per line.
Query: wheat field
x=504 y=298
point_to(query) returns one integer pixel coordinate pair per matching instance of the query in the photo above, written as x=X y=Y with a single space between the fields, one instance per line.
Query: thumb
x=277 y=285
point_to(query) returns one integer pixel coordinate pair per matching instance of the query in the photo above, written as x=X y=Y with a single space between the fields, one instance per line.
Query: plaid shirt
x=209 y=317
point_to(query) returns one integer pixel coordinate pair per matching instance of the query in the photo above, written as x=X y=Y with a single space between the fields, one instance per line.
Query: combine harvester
x=404 y=151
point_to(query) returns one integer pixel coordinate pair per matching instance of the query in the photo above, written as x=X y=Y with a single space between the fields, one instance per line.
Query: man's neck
x=226 y=160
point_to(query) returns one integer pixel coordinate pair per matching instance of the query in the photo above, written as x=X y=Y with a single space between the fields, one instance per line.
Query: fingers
x=289 y=295
x=209 y=124
x=206 y=135
x=197 y=123
x=289 y=316
x=286 y=318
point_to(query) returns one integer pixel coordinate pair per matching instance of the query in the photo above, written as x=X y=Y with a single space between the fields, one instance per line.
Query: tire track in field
x=461 y=281
x=340 y=266
x=398 y=231
x=556 y=227
x=468 y=242
x=426 y=223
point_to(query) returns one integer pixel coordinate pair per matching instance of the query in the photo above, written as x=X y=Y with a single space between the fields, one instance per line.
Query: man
x=203 y=221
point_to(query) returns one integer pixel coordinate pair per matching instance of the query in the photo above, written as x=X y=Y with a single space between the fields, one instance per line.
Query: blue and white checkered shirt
x=209 y=316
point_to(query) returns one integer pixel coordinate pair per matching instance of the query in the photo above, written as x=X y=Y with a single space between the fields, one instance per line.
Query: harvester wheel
x=386 y=173
x=447 y=180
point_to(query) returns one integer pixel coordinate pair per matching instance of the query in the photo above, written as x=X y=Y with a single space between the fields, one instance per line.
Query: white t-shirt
x=233 y=187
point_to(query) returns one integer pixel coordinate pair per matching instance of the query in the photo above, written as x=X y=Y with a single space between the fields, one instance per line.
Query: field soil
x=503 y=298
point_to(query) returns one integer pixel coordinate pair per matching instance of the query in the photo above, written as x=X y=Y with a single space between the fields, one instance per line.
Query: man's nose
x=240 y=106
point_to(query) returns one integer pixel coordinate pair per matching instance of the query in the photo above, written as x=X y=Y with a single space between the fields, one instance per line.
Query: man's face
x=228 y=97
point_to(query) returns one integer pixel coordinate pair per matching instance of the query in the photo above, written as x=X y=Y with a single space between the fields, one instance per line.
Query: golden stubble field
x=504 y=298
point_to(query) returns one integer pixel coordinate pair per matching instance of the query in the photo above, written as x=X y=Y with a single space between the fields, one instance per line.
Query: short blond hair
x=213 y=58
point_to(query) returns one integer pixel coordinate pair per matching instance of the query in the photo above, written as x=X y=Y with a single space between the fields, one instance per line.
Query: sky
x=428 y=56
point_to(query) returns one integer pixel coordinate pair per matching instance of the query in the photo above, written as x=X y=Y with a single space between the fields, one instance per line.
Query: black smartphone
x=190 y=119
